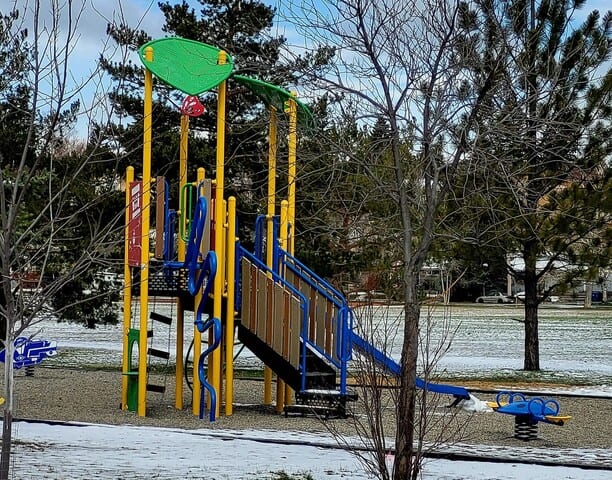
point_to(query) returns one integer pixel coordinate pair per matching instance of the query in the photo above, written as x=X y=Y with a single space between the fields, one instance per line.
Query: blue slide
x=394 y=368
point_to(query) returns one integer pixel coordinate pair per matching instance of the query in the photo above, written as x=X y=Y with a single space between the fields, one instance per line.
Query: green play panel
x=186 y=65
x=276 y=96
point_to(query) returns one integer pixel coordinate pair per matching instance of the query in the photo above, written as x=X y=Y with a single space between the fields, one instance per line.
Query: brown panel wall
x=262 y=303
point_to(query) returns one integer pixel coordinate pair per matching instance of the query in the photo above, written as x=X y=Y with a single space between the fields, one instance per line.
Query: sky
x=94 y=15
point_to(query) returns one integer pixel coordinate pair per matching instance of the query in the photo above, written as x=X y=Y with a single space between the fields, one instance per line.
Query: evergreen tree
x=547 y=140
x=244 y=30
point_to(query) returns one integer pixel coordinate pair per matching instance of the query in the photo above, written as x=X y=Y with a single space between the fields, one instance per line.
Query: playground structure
x=298 y=324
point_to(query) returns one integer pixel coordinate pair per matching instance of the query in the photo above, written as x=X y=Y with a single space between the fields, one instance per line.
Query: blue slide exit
x=394 y=368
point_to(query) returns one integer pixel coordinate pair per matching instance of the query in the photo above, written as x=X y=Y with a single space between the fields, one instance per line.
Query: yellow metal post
x=146 y=207
x=127 y=290
x=292 y=169
x=291 y=180
x=215 y=364
x=272 y=150
x=230 y=307
x=197 y=336
x=180 y=311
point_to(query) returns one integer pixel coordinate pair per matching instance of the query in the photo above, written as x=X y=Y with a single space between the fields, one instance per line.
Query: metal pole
x=146 y=207
x=215 y=364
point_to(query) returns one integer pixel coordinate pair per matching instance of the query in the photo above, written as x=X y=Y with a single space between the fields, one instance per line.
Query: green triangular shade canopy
x=186 y=65
x=276 y=96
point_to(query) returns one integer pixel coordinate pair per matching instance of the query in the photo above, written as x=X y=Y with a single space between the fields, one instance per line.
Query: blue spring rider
x=528 y=412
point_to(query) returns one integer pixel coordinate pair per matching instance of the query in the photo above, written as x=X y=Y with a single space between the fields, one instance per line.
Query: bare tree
x=53 y=188
x=401 y=66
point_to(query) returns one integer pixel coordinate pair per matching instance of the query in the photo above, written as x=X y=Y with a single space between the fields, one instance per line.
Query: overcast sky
x=145 y=14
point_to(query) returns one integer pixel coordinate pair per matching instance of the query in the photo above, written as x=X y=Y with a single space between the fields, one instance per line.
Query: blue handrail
x=322 y=286
x=282 y=261
x=344 y=316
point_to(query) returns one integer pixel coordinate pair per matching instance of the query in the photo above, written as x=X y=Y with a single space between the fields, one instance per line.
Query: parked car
x=520 y=296
x=494 y=297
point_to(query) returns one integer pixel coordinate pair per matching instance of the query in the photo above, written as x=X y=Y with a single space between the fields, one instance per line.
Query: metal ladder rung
x=158 y=317
x=158 y=353
x=155 y=388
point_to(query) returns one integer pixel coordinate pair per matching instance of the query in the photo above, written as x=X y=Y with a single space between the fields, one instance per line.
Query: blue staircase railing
x=344 y=315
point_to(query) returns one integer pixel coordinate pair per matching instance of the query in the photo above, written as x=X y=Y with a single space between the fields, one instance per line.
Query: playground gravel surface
x=79 y=395
x=82 y=384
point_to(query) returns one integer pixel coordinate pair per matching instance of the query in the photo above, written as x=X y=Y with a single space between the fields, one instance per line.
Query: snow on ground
x=575 y=344
x=80 y=451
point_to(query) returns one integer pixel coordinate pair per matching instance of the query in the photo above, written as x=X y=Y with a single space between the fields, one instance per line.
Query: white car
x=551 y=298
x=494 y=297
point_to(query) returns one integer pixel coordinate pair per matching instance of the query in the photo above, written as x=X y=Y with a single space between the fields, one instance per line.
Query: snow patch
x=474 y=405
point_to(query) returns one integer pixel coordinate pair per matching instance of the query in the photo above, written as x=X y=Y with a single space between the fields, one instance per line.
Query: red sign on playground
x=135 y=225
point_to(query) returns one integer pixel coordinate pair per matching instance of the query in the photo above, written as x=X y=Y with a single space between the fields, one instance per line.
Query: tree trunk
x=5 y=457
x=7 y=425
x=406 y=465
x=588 y=295
x=532 y=339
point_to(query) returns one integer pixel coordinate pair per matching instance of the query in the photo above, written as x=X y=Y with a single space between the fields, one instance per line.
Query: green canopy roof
x=186 y=65
x=276 y=96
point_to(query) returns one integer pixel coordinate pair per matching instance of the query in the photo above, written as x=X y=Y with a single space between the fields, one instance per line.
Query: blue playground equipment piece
x=214 y=324
x=534 y=409
x=394 y=368
x=198 y=272
x=320 y=378
x=528 y=412
x=30 y=352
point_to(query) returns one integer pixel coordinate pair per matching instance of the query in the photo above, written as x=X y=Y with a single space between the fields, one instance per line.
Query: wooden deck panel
x=277 y=330
x=294 y=329
x=262 y=297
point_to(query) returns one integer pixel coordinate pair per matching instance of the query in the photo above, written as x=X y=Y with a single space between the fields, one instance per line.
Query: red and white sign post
x=135 y=225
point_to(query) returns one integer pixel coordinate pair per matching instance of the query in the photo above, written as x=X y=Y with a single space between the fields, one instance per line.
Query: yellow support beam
x=215 y=360
x=146 y=209
x=272 y=152
x=180 y=311
x=281 y=387
x=291 y=180
x=127 y=291
x=230 y=307
x=292 y=170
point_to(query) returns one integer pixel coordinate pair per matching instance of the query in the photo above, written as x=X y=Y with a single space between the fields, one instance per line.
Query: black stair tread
x=155 y=388
x=158 y=317
x=158 y=353
x=319 y=410
x=308 y=408
x=320 y=391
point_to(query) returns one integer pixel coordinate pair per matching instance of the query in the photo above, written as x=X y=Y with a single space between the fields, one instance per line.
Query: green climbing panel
x=276 y=96
x=186 y=65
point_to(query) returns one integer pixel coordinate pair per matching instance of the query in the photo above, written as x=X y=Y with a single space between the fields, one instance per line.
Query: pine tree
x=547 y=138
x=244 y=30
